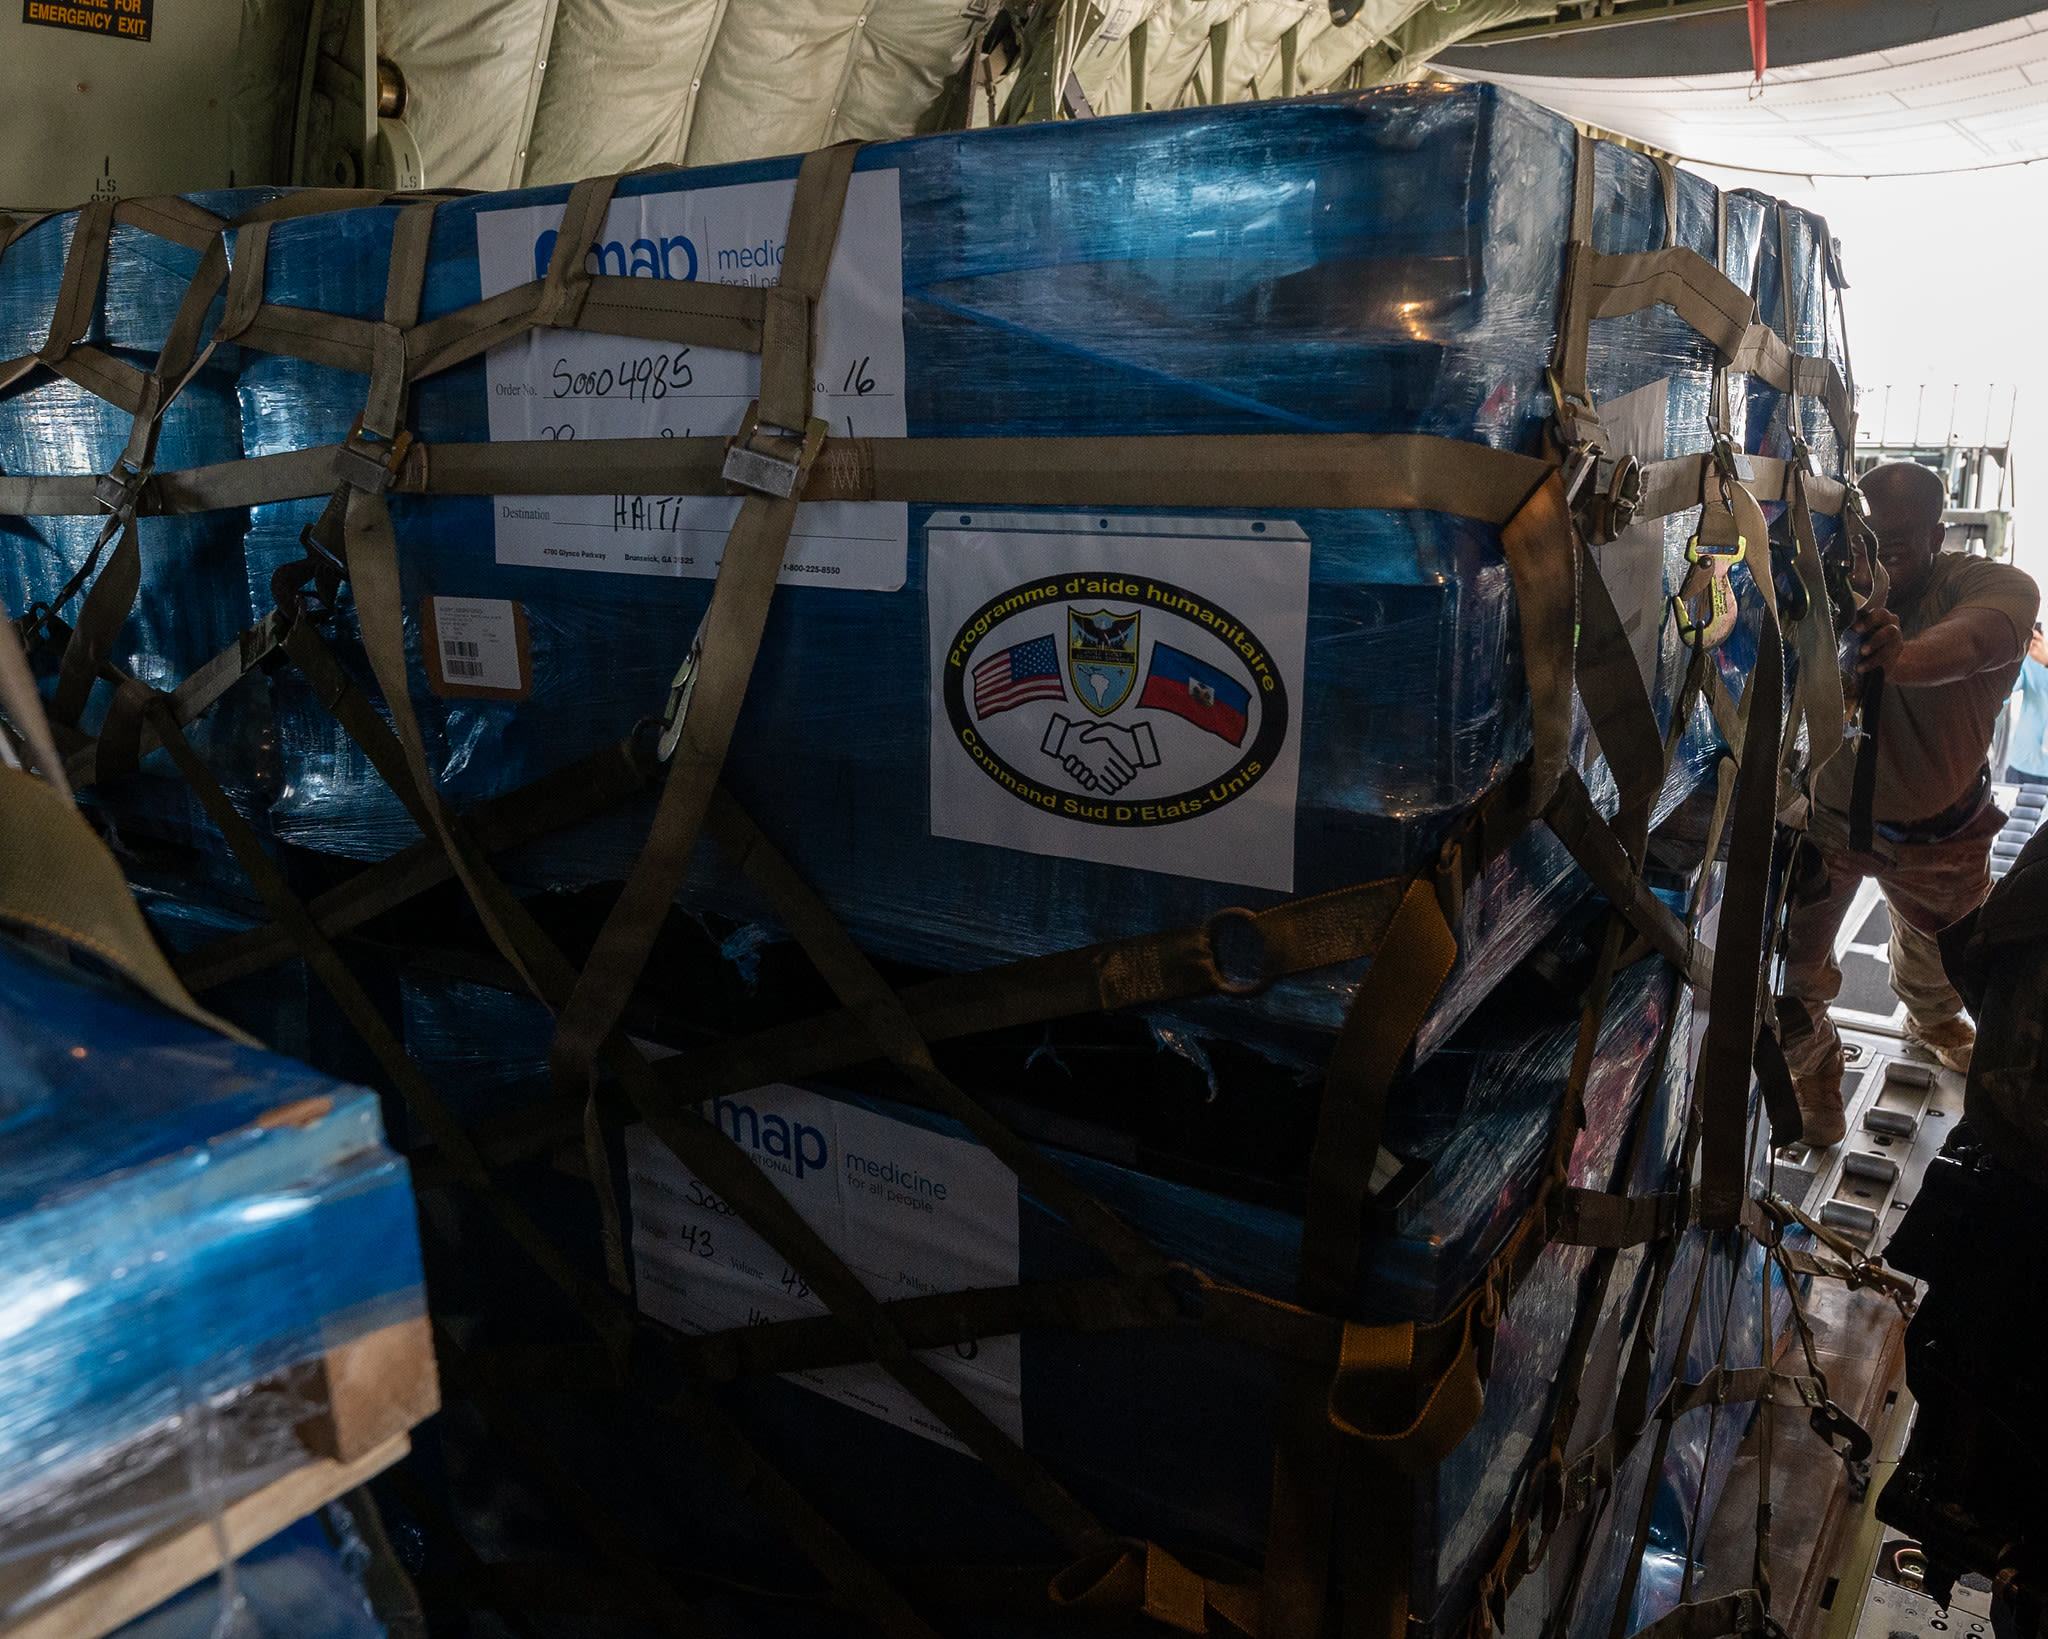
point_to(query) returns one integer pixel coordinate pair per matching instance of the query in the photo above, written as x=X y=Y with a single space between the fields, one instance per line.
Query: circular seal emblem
x=1114 y=699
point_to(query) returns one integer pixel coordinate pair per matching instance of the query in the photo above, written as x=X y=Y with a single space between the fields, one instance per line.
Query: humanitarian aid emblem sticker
x=1098 y=697
x=1011 y=711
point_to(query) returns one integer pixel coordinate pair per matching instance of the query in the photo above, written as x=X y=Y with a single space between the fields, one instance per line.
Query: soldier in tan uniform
x=1949 y=642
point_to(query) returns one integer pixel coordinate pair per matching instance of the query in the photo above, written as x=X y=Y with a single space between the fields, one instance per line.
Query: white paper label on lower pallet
x=570 y=384
x=1120 y=689
x=911 y=1212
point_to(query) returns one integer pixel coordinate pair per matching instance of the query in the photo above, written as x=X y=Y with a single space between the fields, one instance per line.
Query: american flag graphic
x=1030 y=671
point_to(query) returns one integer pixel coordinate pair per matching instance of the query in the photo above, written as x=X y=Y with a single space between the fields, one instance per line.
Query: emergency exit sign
x=118 y=19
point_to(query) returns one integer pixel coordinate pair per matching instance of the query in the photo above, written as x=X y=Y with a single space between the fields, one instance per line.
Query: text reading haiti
x=1114 y=699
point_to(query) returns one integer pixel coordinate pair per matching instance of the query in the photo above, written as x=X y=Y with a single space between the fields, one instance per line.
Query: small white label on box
x=478 y=643
x=911 y=1212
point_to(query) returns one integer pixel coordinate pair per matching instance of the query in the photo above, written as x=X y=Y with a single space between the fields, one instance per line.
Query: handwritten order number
x=650 y=376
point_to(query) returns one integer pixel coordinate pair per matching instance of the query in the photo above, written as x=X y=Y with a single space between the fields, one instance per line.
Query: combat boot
x=1949 y=1040
x=1821 y=1121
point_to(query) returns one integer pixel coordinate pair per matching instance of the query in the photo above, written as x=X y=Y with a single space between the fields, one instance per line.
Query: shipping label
x=1119 y=689
x=911 y=1212
x=567 y=384
x=478 y=647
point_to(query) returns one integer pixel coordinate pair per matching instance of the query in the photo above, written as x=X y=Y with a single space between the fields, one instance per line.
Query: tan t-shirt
x=1931 y=740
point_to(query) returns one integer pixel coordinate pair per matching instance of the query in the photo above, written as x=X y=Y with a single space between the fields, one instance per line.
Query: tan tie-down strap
x=1377 y=1373
x=1143 y=1577
x=56 y=877
x=1295 y=470
x=1601 y=286
x=720 y=660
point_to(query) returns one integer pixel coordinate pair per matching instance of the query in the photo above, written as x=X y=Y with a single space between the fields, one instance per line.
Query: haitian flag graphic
x=1190 y=688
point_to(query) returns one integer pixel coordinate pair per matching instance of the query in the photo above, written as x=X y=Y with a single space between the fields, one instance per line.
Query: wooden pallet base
x=363 y=1399
x=167 y=1567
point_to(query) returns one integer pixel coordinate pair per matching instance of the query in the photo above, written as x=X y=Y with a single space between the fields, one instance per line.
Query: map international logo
x=1114 y=699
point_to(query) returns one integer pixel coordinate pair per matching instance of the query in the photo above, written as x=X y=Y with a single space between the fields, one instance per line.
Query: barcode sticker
x=477 y=643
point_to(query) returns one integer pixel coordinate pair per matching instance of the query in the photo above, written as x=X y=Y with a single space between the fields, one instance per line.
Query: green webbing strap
x=1646 y=1348
x=191 y=699
x=613 y=1323
x=576 y=792
x=1371 y=471
x=1601 y=855
x=56 y=876
x=864 y=992
x=721 y=658
x=1741 y=956
x=112 y=598
x=699 y=1145
x=327 y=966
x=23 y=705
x=1624 y=722
x=1386 y=1010
x=1143 y=1577
x=1566 y=1486
x=1820 y=678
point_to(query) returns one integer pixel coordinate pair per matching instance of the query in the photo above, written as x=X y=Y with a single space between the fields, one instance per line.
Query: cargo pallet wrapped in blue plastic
x=192 y=1231
x=1259 y=571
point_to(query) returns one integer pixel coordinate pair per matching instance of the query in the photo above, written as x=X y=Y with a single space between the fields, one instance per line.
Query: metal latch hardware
x=770 y=461
x=368 y=462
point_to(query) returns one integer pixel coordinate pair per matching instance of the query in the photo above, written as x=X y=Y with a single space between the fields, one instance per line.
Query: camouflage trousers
x=1928 y=885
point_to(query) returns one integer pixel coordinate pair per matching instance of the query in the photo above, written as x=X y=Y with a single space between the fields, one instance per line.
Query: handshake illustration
x=1102 y=757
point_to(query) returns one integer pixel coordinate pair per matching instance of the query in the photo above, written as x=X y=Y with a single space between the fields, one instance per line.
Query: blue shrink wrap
x=1127 y=1419
x=273 y=1005
x=182 y=1220
x=186 y=610
x=1705 y=1441
x=1381 y=262
x=1798 y=291
x=304 y=1583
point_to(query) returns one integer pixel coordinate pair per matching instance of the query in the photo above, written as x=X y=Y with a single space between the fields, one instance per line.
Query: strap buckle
x=1580 y=436
x=119 y=492
x=681 y=687
x=1232 y=968
x=771 y=461
x=1610 y=511
x=1735 y=464
x=368 y=462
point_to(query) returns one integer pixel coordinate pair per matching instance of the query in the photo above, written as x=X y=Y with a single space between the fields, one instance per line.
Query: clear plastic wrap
x=1382 y=262
x=1816 y=329
x=274 y=1005
x=1704 y=1444
x=1386 y=262
x=184 y=613
x=304 y=1583
x=182 y=1221
x=1128 y=1420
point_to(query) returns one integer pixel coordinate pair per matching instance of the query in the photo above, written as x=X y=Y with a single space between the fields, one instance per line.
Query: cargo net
x=1367 y=1409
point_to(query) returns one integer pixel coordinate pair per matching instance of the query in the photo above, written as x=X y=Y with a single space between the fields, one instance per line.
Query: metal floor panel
x=1863 y=1185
